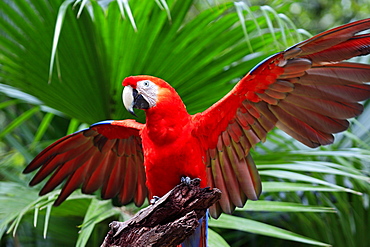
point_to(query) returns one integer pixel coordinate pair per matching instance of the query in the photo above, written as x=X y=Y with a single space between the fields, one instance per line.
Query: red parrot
x=306 y=90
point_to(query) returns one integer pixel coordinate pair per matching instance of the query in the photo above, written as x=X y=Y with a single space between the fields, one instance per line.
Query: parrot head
x=145 y=92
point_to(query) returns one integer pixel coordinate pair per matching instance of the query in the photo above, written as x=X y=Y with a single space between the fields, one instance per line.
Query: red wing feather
x=356 y=46
x=108 y=155
x=299 y=90
x=331 y=38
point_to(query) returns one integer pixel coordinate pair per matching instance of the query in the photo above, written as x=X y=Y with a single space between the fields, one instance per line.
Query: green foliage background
x=60 y=72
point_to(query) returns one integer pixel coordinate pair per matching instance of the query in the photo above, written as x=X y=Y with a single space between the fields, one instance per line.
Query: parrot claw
x=187 y=180
x=154 y=200
x=206 y=188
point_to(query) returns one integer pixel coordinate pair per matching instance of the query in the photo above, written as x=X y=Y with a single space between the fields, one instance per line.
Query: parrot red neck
x=168 y=118
x=166 y=121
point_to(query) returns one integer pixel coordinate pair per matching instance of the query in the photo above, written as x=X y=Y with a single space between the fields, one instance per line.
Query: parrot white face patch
x=149 y=90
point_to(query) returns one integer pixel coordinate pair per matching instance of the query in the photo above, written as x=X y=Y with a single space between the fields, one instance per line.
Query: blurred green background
x=61 y=67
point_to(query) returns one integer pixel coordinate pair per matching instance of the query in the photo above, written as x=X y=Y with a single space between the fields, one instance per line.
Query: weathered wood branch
x=168 y=222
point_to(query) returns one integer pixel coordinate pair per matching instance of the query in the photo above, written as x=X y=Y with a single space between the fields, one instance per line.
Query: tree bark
x=167 y=222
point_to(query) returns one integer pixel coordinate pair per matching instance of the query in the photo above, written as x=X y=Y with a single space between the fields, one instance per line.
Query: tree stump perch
x=167 y=222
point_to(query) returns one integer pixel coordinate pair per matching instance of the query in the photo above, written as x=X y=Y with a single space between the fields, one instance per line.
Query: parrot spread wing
x=107 y=155
x=306 y=90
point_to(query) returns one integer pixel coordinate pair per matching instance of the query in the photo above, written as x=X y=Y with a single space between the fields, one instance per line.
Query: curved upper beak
x=128 y=99
x=132 y=99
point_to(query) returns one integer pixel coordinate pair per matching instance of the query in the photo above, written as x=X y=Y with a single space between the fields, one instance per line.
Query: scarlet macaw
x=306 y=90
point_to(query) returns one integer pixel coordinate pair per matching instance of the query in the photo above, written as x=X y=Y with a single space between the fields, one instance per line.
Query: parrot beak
x=128 y=99
x=132 y=99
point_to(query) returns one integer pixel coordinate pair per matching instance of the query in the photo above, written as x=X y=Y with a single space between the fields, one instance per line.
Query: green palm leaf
x=95 y=52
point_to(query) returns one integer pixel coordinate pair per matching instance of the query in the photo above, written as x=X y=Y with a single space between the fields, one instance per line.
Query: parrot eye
x=146 y=83
x=148 y=90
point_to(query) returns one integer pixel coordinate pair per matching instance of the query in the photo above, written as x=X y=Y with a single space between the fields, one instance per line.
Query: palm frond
x=242 y=224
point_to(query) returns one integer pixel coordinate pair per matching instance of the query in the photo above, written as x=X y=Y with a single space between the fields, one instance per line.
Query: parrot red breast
x=307 y=90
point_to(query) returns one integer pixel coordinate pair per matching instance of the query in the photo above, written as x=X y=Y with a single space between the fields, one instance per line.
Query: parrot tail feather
x=200 y=236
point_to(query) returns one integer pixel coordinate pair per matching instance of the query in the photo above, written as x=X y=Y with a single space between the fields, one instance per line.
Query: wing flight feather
x=308 y=91
x=107 y=155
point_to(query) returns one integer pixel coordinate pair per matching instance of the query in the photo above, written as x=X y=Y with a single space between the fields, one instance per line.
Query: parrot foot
x=154 y=200
x=187 y=180
x=184 y=180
